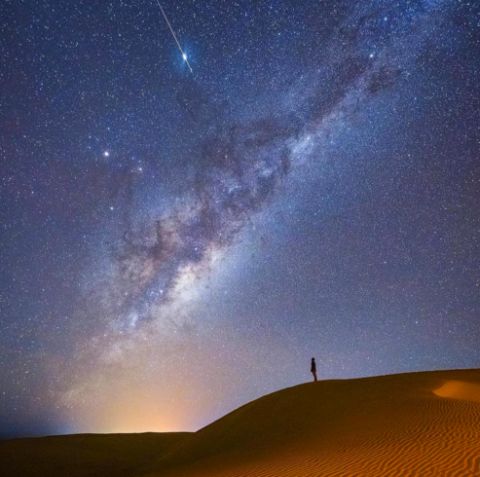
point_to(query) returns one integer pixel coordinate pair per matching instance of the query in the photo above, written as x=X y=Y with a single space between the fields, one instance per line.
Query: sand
x=416 y=424
x=82 y=455
x=462 y=390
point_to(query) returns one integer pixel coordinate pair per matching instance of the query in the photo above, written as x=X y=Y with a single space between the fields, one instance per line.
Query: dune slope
x=410 y=424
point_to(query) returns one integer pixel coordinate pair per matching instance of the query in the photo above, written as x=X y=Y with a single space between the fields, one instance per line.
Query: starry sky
x=176 y=243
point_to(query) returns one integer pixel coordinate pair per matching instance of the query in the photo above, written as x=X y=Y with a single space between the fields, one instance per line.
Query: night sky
x=174 y=244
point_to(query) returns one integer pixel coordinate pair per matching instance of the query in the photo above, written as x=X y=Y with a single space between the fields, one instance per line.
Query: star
x=310 y=190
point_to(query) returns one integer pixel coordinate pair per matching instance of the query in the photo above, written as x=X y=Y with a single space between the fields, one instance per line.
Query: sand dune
x=417 y=424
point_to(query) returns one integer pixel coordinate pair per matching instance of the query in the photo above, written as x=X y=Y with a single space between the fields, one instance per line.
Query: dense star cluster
x=175 y=242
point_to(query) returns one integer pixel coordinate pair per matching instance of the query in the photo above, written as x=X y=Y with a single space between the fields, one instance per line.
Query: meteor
x=184 y=55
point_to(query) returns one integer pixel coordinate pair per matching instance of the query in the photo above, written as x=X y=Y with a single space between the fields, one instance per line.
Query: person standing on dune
x=313 y=370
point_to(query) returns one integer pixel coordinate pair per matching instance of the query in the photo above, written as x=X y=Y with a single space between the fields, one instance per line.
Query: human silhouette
x=313 y=370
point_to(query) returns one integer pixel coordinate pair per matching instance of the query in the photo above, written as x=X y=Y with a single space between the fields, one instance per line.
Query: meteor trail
x=184 y=55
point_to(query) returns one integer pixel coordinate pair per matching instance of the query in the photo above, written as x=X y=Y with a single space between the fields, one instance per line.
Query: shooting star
x=184 y=55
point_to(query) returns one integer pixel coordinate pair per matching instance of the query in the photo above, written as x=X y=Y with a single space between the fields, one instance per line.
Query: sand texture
x=416 y=424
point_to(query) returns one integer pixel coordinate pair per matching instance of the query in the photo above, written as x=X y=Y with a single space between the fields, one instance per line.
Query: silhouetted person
x=313 y=370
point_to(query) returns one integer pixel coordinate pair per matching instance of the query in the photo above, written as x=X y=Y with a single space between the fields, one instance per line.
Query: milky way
x=188 y=242
x=236 y=172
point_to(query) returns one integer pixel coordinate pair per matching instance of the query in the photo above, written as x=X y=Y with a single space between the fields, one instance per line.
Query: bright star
x=106 y=153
